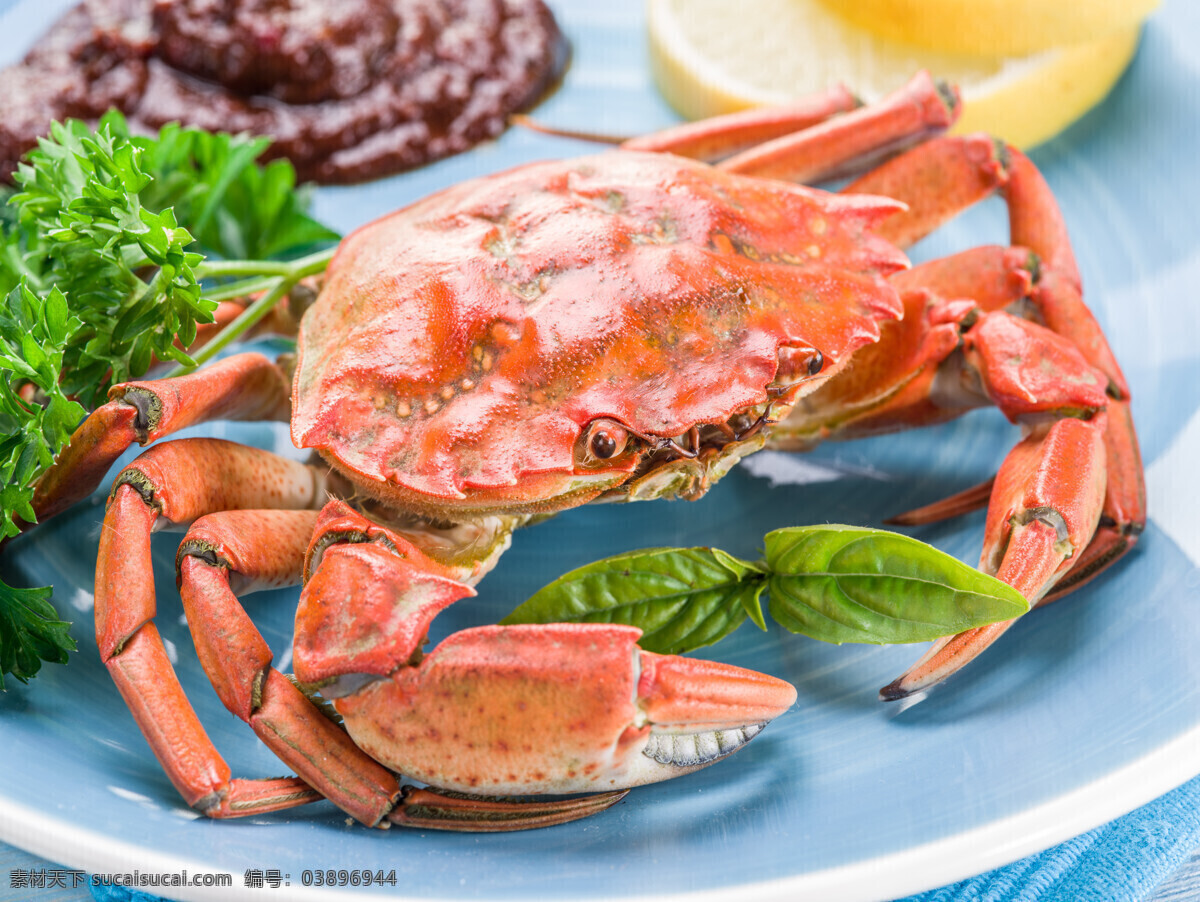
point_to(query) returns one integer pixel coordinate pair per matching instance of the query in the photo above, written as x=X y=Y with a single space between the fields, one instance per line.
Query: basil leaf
x=847 y=584
x=681 y=598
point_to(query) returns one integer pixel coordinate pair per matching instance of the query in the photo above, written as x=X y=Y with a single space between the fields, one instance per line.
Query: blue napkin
x=120 y=894
x=1123 y=861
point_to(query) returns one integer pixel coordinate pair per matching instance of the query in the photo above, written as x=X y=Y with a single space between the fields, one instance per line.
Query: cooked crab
x=615 y=328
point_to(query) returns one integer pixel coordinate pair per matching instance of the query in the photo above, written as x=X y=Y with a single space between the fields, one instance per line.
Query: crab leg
x=723 y=136
x=937 y=180
x=246 y=550
x=816 y=138
x=557 y=708
x=242 y=387
x=1044 y=509
x=1036 y=221
x=915 y=375
x=1048 y=496
x=253 y=550
x=896 y=382
x=925 y=179
x=717 y=137
x=854 y=141
x=166 y=486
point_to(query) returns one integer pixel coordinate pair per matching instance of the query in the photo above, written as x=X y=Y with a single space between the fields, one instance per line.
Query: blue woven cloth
x=1123 y=861
x=120 y=894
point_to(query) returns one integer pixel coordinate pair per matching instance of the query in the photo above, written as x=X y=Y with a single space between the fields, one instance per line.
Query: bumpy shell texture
x=463 y=344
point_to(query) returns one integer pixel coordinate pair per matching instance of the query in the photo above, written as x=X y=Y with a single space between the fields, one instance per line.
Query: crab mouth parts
x=712 y=438
x=709 y=437
x=698 y=749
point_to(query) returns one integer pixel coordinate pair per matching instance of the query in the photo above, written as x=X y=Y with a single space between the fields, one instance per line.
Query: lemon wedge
x=994 y=27
x=712 y=56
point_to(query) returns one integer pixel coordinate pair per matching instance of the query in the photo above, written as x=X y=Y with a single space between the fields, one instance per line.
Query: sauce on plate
x=349 y=90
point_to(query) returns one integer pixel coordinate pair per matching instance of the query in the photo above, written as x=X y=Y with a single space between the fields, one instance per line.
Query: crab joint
x=1052 y=518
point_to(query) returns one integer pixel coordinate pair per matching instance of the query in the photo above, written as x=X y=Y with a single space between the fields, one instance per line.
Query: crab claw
x=520 y=710
x=558 y=708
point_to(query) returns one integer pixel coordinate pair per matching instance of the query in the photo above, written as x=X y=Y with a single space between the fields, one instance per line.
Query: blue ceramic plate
x=1083 y=711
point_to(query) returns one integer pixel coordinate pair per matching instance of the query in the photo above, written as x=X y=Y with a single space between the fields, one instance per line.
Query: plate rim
x=908 y=871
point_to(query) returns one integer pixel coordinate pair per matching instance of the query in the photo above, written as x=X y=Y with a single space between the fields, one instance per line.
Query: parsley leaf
x=28 y=614
x=103 y=269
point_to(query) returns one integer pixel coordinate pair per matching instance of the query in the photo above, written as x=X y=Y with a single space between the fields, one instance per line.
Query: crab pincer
x=504 y=710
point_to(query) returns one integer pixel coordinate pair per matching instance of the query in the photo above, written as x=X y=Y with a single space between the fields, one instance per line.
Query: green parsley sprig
x=113 y=250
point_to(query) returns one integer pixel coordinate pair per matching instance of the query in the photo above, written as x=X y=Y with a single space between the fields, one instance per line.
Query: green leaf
x=30 y=632
x=57 y=316
x=61 y=416
x=847 y=584
x=681 y=598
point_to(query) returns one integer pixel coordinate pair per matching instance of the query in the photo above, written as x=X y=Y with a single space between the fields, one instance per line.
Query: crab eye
x=605 y=443
x=604 y=440
x=816 y=363
x=797 y=364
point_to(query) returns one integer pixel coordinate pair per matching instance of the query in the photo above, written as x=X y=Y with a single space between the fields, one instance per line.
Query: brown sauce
x=349 y=89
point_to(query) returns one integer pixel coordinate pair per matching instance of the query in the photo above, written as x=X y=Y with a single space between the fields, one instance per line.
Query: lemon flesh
x=994 y=27
x=711 y=57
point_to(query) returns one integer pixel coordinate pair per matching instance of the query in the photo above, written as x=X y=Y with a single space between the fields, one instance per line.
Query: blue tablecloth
x=1123 y=861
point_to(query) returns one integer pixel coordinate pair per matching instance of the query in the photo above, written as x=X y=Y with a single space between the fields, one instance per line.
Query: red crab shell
x=462 y=345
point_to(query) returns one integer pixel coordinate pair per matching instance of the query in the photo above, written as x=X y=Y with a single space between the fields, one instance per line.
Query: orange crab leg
x=937 y=181
x=891 y=385
x=818 y=137
x=242 y=387
x=226 y=554
x=992 y=275
x=267 y=548
x=248 y=550
x=851 y=142
x=717 y=137
x=1044 y=509
x=1035 y=221
x=969 y=499
x=1049 y=493
x=1124 y=515
x=723 y=136
x=161 y=488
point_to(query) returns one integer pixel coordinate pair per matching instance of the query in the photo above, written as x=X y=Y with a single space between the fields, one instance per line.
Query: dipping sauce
x=349 y=89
